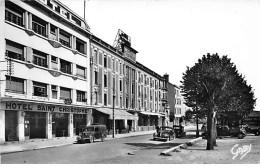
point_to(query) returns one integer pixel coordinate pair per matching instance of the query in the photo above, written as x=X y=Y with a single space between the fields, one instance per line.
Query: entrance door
x=35 y=125
x=11 y=126
x=60 y=124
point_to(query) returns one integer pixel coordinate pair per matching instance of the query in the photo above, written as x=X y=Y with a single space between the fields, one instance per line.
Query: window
x=105 y=61
x=105 y=99
x=39 y=26
x=120 y=85
x=81 y=96
x=81 y=72
x=96 y=77
x=120 y=68
x=95 y=56
x=54 y=59
x=105 y=80
x=14 y=85
x=65 y=66
x=14 y=50
x=65 y=93
x=64 y=38
x=100 y=58
x=13 y=14
x=54 y=91
x=53 y=32
x=40 y=58
x=39 y=89
x=113 y=64
x=80 y=46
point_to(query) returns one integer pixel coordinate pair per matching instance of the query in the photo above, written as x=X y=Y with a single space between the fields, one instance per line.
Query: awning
x=151 y=113
x=119 y=114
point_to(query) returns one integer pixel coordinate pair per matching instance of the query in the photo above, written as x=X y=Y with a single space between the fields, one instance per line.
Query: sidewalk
x=36 y=144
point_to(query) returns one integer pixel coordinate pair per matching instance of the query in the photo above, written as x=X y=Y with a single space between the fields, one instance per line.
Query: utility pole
x=114 y=95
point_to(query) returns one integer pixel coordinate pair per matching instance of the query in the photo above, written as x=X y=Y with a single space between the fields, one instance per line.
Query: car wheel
x=257 y=133
x=91 y=139
x=240 y=136
x=103 y=138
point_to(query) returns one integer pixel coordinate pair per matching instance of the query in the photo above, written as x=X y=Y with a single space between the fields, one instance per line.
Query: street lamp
x=114 y=95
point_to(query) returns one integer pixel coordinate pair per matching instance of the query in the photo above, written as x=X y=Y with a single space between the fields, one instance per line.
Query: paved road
x=99 y=152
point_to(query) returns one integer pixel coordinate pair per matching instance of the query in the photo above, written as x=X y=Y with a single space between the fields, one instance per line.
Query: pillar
x=125 y=123
x=48 y=30
x=74 y=96
x=70 y=125
x=89 y=117
x=135 y=122
x=26 y=19
x=20 y=127
x=2 y=126
x=29 y=88
x=49 y=125
x=30 y=21
x=29 y=54
x=74 y=69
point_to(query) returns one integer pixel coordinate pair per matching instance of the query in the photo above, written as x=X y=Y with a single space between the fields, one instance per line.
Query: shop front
x=23 y=120
x=124 y=121
x=148 y=121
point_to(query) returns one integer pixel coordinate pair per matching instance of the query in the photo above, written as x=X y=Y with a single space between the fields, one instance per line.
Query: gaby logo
x=240 y=151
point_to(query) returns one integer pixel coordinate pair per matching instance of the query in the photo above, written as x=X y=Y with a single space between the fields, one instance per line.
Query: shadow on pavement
x=149 y=146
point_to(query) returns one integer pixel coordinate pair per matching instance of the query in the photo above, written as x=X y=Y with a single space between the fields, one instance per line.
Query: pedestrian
x=157 y=129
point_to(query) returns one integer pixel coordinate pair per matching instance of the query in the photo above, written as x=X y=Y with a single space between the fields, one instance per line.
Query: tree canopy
x=214 y=84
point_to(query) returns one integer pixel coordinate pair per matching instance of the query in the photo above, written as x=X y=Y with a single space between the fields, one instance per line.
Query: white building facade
x=46 y=94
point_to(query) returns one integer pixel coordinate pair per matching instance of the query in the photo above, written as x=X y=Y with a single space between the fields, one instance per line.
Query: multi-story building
x=47 y=92
x=56 y=76
x=135 y=88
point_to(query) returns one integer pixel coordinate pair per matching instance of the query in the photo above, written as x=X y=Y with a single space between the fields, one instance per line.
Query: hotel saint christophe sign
x=22 y=106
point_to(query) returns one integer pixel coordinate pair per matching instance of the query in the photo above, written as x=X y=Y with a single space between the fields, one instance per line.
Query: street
x=139 y=150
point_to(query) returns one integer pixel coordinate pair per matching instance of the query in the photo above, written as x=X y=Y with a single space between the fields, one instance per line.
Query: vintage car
x=164 y=133
x=92 y=132
x=240 y=133
x=252 y=129
x=179 y=130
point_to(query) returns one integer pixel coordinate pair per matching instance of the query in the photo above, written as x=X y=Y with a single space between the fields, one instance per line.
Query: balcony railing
x=39 y=29
x=9 y=16
x=40 y=94
x=15 y=55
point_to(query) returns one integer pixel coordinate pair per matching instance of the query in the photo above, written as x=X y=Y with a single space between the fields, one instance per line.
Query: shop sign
x=44 y=108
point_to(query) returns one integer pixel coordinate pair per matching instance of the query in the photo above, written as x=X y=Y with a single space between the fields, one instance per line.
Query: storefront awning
x=150 y=113
x=119 y=114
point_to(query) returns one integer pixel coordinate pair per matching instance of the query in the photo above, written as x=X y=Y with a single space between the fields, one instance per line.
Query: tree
x=213 y=84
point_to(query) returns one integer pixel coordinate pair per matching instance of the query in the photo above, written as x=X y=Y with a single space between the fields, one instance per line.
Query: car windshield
x=89 y=128
x=166 y=128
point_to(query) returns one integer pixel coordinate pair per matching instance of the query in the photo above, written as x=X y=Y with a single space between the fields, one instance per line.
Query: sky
x=170 y=35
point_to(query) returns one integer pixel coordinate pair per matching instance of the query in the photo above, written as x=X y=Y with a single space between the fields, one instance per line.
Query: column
x=30 y=21
x=70 y=125
x=48 y=30
x=26 y=20
x=49 y=125
x=49 y=91
x=29 y=54
x=2 y=125
x=29 y=88
x=74 y=96
x=135 y=122
x=20 y=128
x=89 y=117
x=58 y=34
x=125 y=123
x=74 y=69
x=49 y=61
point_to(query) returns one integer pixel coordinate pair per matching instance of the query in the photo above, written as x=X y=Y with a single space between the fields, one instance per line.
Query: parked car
x=240 y=133
x=164 y=133
x=92 y=132
x=179 y=130
x=252 y=129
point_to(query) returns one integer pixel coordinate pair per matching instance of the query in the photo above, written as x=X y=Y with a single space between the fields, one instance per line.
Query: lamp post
x=114 y=95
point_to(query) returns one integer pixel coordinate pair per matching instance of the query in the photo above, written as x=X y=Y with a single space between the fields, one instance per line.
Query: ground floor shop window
x=35 y=125
x=60 y=123
x=79 y=121
x=11 y=124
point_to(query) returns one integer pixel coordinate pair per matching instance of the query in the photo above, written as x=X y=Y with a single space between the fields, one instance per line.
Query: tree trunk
x=214 y=132
x=210 y=129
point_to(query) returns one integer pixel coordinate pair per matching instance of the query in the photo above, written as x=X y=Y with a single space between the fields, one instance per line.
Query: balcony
x=14 y=91
x=40 y=63
x=65 y=43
